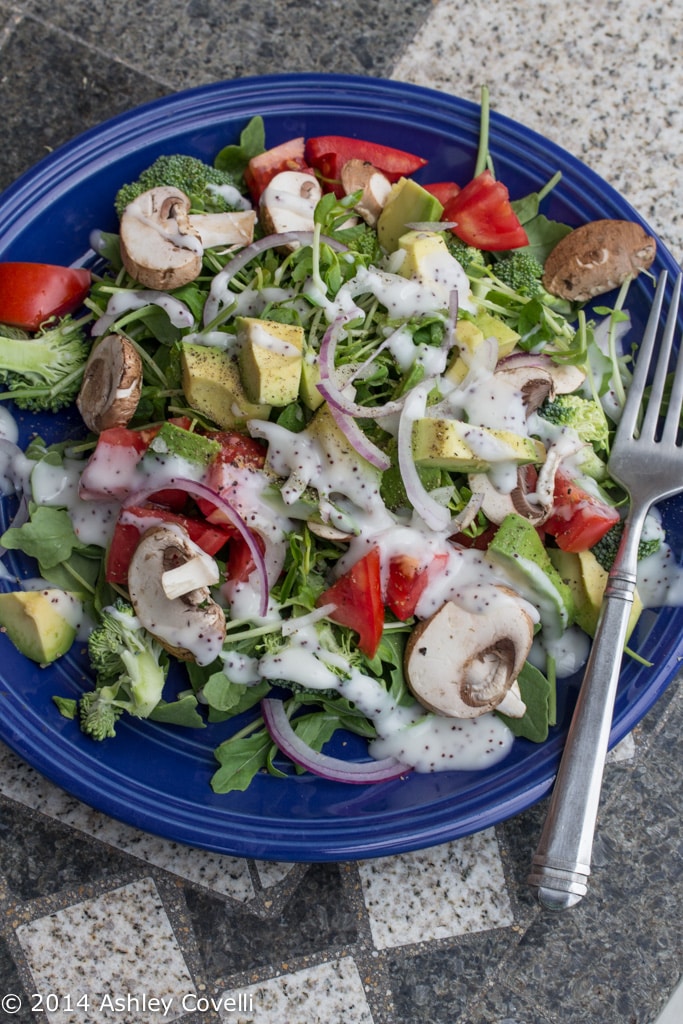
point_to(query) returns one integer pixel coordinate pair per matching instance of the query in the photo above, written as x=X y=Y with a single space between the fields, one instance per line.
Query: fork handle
x=561 y=864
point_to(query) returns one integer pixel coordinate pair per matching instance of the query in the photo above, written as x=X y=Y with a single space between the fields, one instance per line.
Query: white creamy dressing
x=125 y=300
x=425 y=741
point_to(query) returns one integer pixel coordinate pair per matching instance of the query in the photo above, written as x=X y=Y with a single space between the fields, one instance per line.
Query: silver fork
x=647 y=460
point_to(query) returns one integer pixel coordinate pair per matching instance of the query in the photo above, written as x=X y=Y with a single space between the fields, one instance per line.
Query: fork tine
x=673 y=413
x=654 y=404
x=631 y=410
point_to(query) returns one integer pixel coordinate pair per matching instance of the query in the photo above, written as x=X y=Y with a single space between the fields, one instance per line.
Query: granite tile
x=117 y=950
x=437 y=893
x=328 y=993
x=205 y=40
x=39 y=857
x=228 y=876
x=437 y=985
x=39 y=64
x=317 y=917
x=602 y=78
x=11 y=984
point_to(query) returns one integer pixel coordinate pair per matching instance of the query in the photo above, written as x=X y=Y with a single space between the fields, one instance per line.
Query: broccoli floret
x=605 y=550
x=198 y=180
x=466 y=255
x=363 y=240
x=521 y=271
x=583 y=415
x=43 y=371
x=131 y=668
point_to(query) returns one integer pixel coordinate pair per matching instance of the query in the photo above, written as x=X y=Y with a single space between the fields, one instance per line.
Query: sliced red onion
x=329 y=387
x=359 y=440
x=436 y=516
x=431 y=225
x=220 y=283
x=333 y=768
x=199 y=490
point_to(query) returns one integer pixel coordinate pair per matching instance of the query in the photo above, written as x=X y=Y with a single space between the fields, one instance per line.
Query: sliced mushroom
x=534 y=383
x=357 y=175
x=462 y=664
x=597 y=257
x=223 y=229
x=288 y=202
x=112 y=381
x=191 y=626
x=159 y=246
x=496 y=505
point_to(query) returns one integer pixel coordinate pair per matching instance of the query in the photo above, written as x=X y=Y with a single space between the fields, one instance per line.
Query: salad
x=344 y=457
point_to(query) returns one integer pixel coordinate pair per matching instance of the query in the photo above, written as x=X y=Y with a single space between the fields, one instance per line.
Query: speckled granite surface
x=104 y=923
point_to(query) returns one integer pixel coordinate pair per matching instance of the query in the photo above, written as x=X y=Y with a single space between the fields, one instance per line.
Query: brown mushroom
x=359 y=175
x=496 y=505
x=288 y=202
x=462 y=664
x=597 y=257
x=535 y=383
x=159 y=246
x=190 y=626
x=112 y=381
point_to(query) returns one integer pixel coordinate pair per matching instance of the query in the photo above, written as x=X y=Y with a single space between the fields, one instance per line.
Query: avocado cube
x=174 y=442
x=587 y=580
x=213 y=386
x=465 y=448
x=518 y=550
x=468 y=337
x=407 y=202
x=493 y=327
x=270 y=360
x=40 y=623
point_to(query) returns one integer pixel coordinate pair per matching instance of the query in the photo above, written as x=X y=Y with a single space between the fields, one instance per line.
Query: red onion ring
x=333 y=768
x=436 y=516
x=331 y=391
x=358 y=440
x=250 y=252
x=199 y=490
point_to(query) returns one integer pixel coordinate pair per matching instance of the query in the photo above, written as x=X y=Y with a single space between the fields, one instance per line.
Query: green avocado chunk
x=519 y=551
x=407 y=202
x=40 y=623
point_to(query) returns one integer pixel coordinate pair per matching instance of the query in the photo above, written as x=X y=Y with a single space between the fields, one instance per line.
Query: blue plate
x=155 y=777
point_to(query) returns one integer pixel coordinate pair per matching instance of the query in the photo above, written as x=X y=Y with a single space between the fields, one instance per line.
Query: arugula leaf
x=240 y=759
x=234 y=158
x=536 y=693
x=179 y=712
x=48 y=536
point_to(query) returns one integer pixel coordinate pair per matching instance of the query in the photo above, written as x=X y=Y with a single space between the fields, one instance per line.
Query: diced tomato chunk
x=240 y=561
x=407 y=581
x=238 y=452
x=579 y=519
x=261 y=169
x=442 y=190
x=357 y=597
x=484 y=217
x=31 y=293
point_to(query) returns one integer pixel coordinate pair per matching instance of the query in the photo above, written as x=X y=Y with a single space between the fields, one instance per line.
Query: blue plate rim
x=90 y=774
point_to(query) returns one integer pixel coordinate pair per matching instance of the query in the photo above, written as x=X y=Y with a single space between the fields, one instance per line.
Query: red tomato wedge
x=328 y=154
x=126 y=536
x=31 y=293
x=442 y=190
x=240 y=561
x=111 y=469
x=579 y=519
x=484 y=216
x=238 y=452
x=261 y=169
x=357 y=596
x=407 y=581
